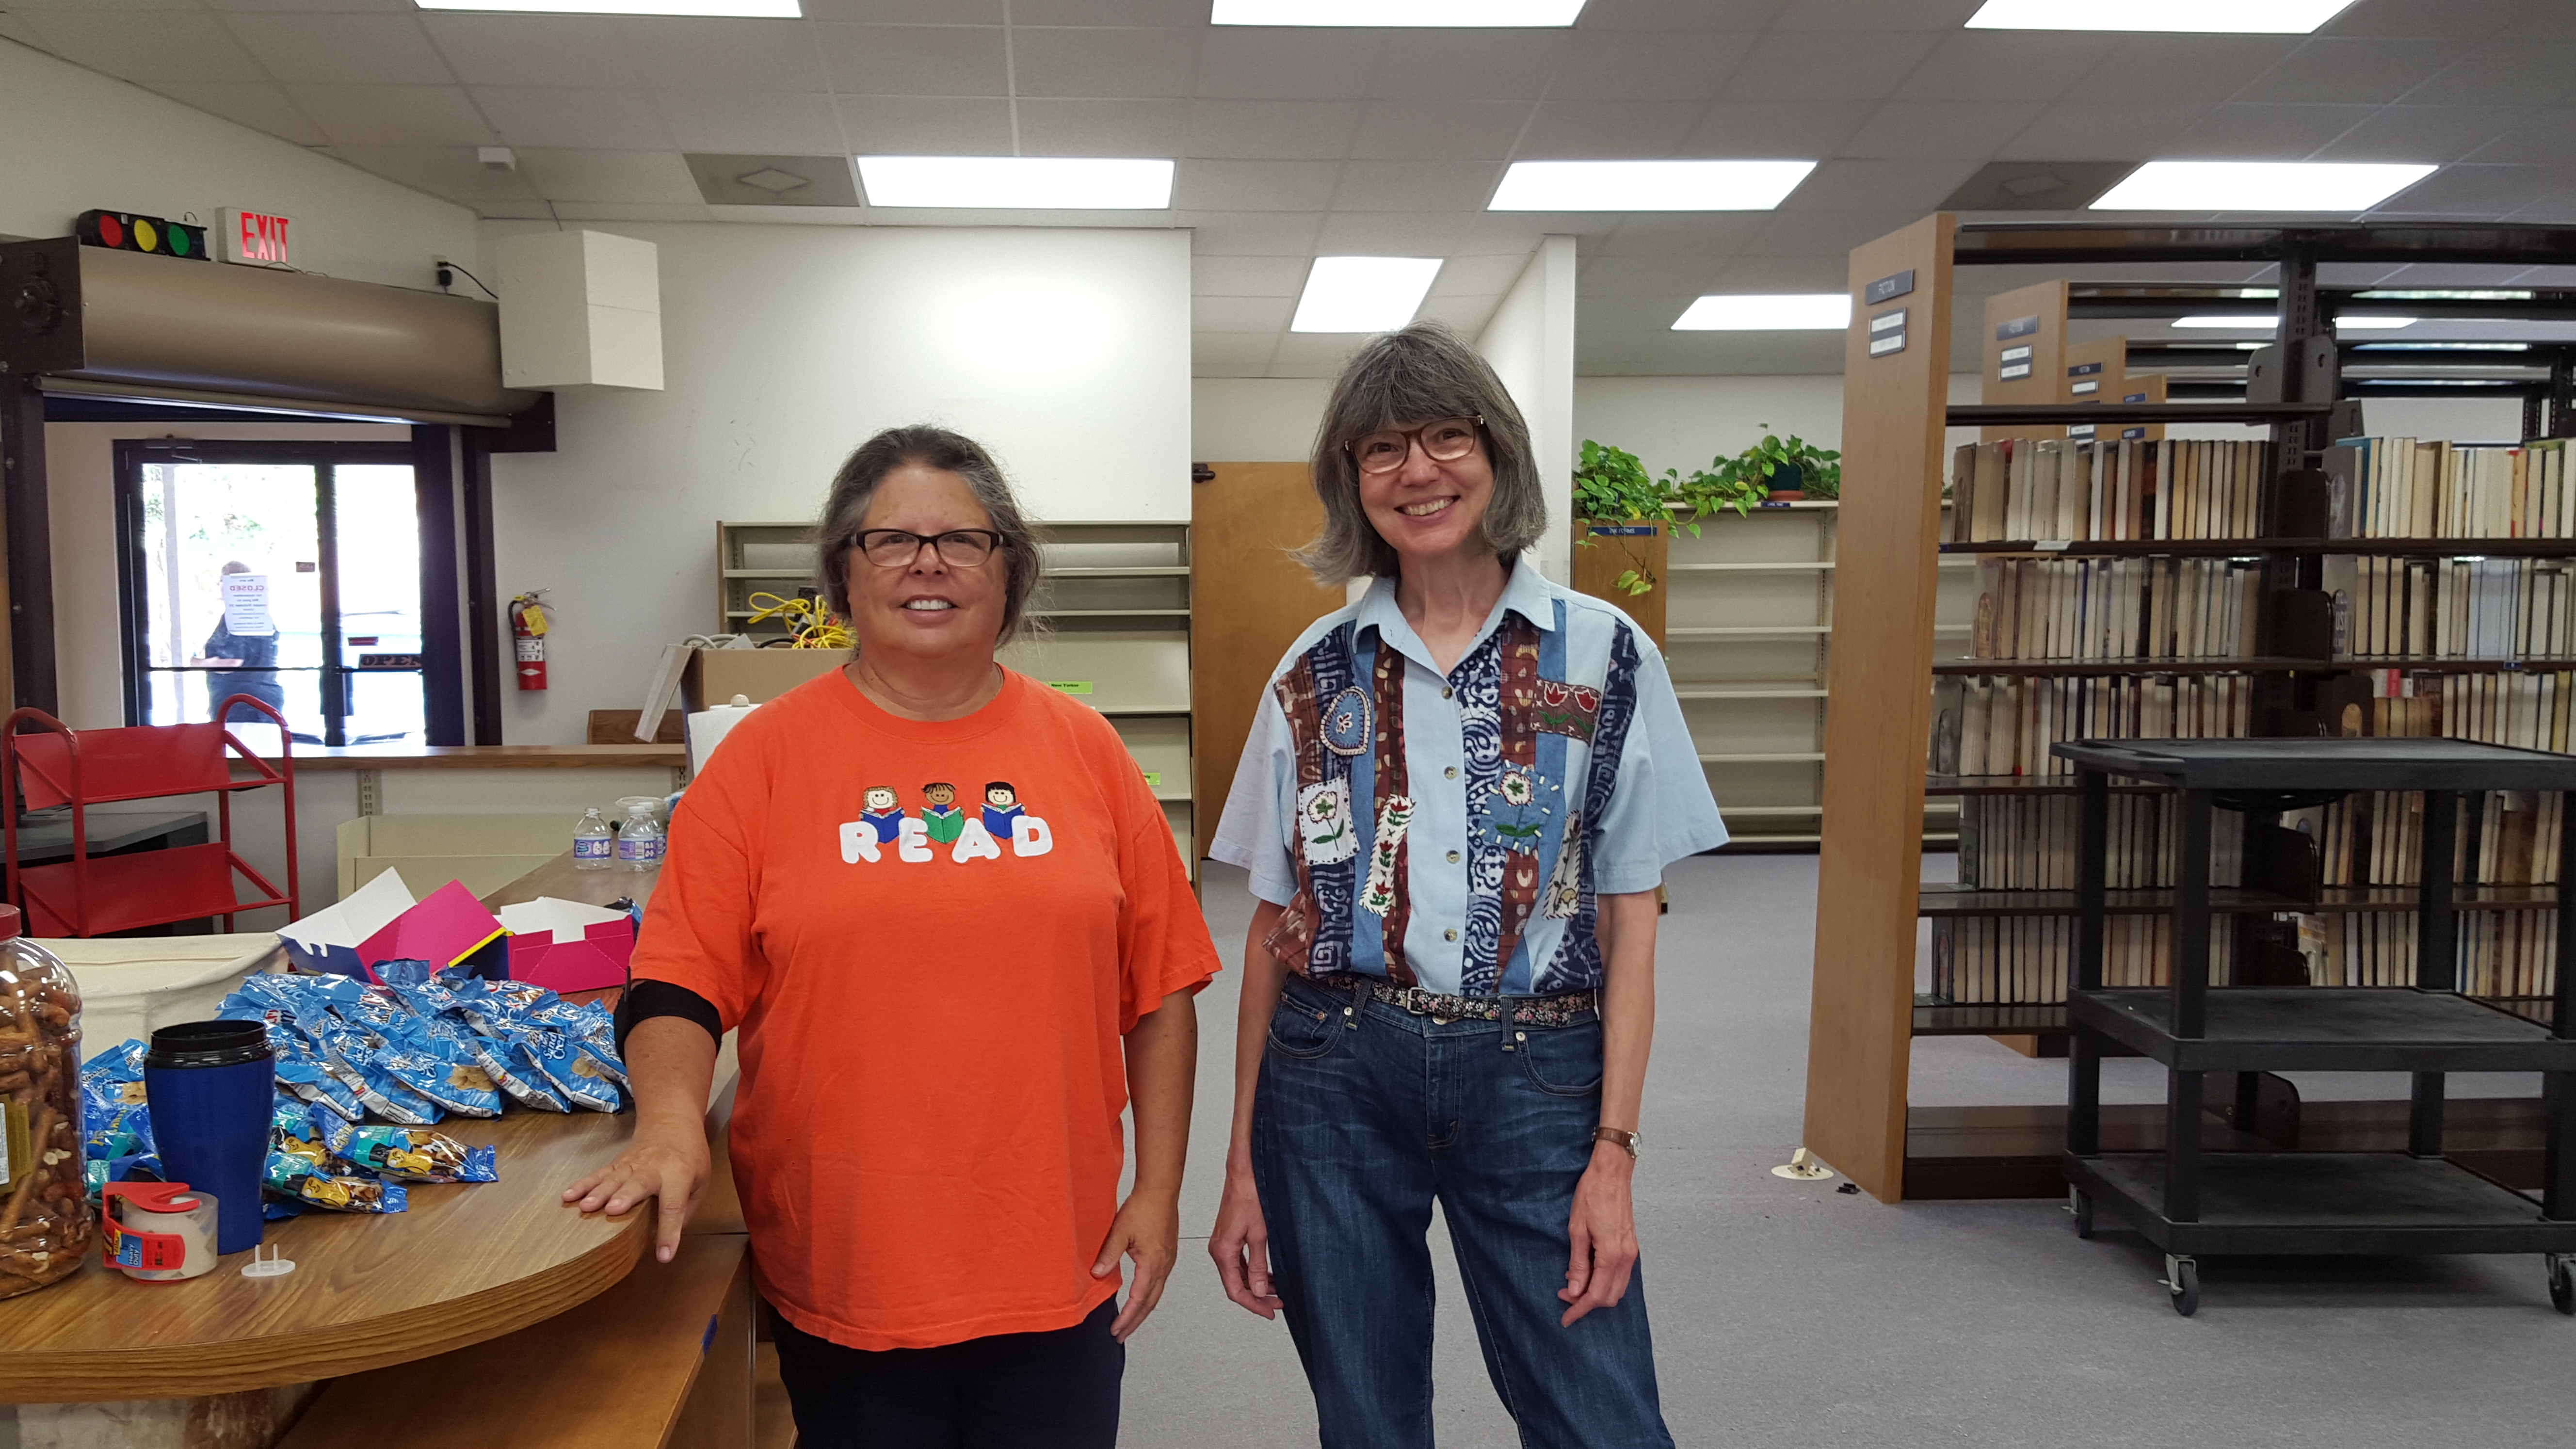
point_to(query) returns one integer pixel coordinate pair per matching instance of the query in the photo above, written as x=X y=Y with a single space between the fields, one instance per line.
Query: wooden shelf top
x=2060 y=668
x=2255 y=547
x=1997 y=415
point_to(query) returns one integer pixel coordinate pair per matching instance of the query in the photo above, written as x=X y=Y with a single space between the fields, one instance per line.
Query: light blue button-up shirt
x=1602 y=675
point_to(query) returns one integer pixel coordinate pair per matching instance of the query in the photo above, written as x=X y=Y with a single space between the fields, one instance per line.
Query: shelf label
x=1623 y=530
x=1069 y=686
x=2017 y=327
x=2081 y=388
x=1887 y=322
x=2014 y=354
x=2051 y=545
x=1887 y=288
x=2018 y=369
x=1888 y=344
x=2084 y=369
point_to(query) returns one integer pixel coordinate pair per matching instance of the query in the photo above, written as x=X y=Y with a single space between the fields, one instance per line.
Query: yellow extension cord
x=808 y=627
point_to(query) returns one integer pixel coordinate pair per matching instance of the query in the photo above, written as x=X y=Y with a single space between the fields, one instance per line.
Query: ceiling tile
x=2168 y=68
x=176 y=46
x=2523 y=73
x=397 y=115
x=1239 y=314
x=2439 y=19
x=1479 y=276
x=1212 y=276
x=584 y=118
x=1109 y=12
x=750 y=123
x=394 y=7
x=1685 y=277
x=2479 y=192
x=1681 y=234
x=2342 y=70
x=1057 y=127
x=1823 y=235
x=14 y=25
x=2421 y=133
x=532 y=50
x=262 y=107
x=1288 y=64
x=909 y=12
x=2238 y=131
x=1649 y=66
x=2077 y=130
x=383 y=49
x=1273 y=130
x=2005 y=65
x=1878 y=185
x=610 y=213
x=1254 y=234
x=446 y=171
x=1231 y=354
x=1416 y=185
x=1158 y=62
x=1391 y=233
x=694 y=53
x=610 y=176
x=1828 y=66
x=1589 y=130
x=925 y=125
x=1440 y=131
x=913 y=60
x=1941 y=128
x=1256 y=185
x=1755 y=130
x=1876 y=14
x=1668 y=15
x=1314 y=354
x=2538 y=136
x=1467 y=65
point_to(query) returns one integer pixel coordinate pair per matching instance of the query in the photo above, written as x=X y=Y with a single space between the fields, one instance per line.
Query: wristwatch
x=1620 y=1135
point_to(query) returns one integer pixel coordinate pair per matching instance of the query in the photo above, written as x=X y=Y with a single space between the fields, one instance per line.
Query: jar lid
x=208 y=1044
x=9 y=924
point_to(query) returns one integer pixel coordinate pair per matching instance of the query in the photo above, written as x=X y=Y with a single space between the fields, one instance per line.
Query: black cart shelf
x=2186 y=1201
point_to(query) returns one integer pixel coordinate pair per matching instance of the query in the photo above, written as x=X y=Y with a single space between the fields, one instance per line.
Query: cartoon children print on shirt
x=969 y=837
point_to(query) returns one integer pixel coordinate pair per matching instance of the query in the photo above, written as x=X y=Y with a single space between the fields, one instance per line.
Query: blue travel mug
x=212 y=1087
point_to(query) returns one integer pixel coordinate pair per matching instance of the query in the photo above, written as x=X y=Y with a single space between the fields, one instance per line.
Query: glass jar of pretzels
x=46 y=1231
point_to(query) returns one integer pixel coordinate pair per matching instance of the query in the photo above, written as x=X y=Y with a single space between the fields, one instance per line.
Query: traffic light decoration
x=126 y=232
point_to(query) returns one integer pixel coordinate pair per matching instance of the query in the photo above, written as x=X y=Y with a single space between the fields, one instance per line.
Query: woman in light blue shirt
x=1457 y=801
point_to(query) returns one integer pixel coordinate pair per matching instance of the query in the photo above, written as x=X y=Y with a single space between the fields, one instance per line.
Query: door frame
x=441 y=677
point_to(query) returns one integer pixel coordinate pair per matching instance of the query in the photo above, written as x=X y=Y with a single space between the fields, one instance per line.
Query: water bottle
x=594 y=845
x=639 y=840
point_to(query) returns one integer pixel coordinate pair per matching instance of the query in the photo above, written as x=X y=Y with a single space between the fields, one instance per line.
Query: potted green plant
x=1616 y=500
x=1782 y=471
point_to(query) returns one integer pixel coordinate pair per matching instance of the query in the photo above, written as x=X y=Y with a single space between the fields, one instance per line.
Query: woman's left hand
x=1603 y=1230
x=1147 y=1229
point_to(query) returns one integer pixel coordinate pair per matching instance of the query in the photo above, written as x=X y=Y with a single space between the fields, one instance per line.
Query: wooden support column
x=1871 y=859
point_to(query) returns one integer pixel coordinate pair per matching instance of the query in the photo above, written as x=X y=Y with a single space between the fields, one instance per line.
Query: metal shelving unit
x=2251 y=1201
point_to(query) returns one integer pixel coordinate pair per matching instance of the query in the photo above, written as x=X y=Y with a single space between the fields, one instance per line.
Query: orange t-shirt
x=931 y=996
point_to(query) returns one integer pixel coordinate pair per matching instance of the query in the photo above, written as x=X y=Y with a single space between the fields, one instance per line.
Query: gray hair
x=1415 y=375
x=855 y=487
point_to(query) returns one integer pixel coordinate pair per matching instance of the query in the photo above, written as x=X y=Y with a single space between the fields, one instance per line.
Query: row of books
x=2411 y=488
x=2527 y=709
x=2133 y=488
x=2376 y=837
x=2501 y=954
x=2123 y=608
x=2004 y=725
x=2451 y=608
x=2010 y=843
x=2028 y=960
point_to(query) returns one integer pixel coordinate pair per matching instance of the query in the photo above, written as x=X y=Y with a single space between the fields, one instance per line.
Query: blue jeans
x=1364 y=1115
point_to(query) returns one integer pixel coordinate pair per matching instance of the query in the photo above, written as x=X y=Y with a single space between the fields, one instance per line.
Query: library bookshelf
x=2288 y=666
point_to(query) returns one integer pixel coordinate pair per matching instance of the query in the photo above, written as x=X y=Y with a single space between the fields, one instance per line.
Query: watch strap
x=1620 y=1135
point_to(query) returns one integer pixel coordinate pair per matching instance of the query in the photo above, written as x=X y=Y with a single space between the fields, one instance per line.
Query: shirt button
x=1449 y=935
x=1446 y=691
x=1451 y=772
x=1453 y=857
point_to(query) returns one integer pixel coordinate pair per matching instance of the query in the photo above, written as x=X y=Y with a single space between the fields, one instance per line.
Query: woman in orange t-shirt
x=944 y=909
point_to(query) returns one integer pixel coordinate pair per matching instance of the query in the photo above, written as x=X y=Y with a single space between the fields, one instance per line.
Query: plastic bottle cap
x=8 y=923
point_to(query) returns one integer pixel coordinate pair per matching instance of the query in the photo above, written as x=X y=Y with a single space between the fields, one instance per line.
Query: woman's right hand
x=1241 y=1244
x=670 y=1167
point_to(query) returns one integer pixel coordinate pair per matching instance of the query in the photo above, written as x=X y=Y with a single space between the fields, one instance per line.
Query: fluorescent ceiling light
x=1363 y=294
x=1017 y=183
x=1423 y=14
x=2267 y=322
x=2215 y=17
x=1782 y=312
x=1648 y=185
x=2260 y=186
x=737 y=9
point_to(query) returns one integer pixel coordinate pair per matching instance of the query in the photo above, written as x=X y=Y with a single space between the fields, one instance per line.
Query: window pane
x=253 y=523
x=379 y=542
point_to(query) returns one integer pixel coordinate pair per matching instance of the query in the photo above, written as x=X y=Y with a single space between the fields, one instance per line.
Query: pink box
x=567 y=946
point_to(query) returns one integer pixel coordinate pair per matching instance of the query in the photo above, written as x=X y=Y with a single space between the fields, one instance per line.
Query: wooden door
x=1248 y=602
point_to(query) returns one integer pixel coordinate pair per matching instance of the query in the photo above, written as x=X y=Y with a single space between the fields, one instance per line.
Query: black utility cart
x=2188 y=1201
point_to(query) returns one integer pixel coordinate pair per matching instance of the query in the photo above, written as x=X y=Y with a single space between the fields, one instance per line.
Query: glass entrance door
x=291 y=576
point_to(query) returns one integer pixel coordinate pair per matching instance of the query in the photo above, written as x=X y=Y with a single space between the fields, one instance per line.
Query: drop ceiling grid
x=1297 y=143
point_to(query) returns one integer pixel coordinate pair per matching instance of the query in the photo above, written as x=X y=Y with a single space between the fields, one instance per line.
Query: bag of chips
x=304 y=1179
x=418 y=1155
x=444 y=1074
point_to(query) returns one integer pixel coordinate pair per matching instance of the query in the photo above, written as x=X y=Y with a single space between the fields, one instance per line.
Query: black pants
x=1054 y=1390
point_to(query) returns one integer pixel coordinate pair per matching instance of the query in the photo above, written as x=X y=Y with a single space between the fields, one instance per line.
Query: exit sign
x=255 y=237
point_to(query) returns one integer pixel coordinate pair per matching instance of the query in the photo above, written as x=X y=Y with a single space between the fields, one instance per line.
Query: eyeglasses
x=1445 y=440
x=959 y=548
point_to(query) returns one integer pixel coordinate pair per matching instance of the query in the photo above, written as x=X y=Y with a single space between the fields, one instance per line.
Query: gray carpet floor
x=1788 y=1314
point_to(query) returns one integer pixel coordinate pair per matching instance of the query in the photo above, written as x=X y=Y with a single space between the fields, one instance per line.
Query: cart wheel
x=2082 y=1207
x=2182 y=1280
x=2562 y=1283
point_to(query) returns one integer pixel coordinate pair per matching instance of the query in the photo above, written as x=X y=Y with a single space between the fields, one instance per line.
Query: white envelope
x=558 y=919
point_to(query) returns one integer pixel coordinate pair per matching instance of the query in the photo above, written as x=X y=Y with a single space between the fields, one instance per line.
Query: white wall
x=1067 y=352
x=1256 y=419
x=1684 y=422
x=76 y=140
x=1530 y=342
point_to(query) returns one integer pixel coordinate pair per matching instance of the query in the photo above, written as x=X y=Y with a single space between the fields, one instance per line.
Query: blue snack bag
x=444 y=1074
x=417 y=1155
x=304 y=1179
x=569 y=1069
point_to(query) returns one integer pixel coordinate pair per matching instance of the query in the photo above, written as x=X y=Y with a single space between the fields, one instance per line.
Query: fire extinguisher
x=528 y=637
